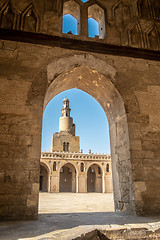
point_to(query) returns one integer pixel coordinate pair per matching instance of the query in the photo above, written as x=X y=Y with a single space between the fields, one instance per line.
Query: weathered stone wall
x=133 y=23
x=127 y=89
x=59 y=138
x=135 y=146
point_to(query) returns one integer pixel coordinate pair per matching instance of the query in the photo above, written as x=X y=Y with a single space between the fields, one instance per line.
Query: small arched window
x=54 y=166
x=71 y=18
x=96 y=22
x=82 y=167
x=107 y=167
x=66 y=146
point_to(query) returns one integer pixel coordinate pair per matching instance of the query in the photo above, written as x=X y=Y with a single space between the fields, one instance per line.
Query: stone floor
x=68 y=215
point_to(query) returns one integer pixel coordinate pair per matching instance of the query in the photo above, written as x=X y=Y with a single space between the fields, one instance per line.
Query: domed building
x=67 y=169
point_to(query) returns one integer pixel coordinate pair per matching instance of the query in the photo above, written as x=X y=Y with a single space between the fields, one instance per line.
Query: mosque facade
x=67 y=169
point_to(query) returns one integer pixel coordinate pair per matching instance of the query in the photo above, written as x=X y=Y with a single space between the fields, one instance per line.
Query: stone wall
x=59 y=138
x=133 y=23
x=127 y=89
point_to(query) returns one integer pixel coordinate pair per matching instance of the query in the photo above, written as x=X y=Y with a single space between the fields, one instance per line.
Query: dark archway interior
x=91 y=180
x=94 y=179
x=43 y=186
x=65 y=179
x=67 y=182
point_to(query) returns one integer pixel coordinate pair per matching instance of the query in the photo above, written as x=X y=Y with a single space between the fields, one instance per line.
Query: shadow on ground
x=52 y=222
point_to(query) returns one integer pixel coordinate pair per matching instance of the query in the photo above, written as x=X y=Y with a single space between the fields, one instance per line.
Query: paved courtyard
x=66 y=215
x=75 y=202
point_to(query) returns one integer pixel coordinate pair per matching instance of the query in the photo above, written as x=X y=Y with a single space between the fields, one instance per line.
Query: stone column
x=84 y=21
x=76 y=182
x=103 y=183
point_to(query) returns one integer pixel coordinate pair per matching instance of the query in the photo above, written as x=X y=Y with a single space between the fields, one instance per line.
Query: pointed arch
x=30 y=20
x=152 y=39
x=9 y=16
x=121 y=14
x=144 y=9
x=135 y=35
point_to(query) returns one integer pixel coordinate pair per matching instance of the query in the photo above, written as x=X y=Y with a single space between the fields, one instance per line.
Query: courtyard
x=68 y=215
x=75 y=203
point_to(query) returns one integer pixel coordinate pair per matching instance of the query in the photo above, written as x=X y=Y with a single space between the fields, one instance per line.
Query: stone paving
x=68 y=215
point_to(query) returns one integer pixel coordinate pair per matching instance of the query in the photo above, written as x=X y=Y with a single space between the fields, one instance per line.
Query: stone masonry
x=120 y=69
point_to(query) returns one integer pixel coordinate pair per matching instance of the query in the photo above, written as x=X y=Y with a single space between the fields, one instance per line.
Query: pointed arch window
x=71 y=18
x=66 y=146
x=54 y=166
x=96 y=22
x=107 y=167
x=82 y=167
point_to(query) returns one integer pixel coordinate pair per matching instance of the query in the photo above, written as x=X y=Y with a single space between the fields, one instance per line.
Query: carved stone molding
x=30 y=20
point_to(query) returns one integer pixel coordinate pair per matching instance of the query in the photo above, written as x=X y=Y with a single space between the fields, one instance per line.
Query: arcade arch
x=44 y=178
x=94 y=178
x=67 y=179
x=96 y=77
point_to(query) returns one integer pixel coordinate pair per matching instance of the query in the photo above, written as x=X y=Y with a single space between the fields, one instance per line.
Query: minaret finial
x=65 y=109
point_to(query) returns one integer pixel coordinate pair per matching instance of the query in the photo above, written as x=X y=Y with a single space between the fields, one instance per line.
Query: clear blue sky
x=89 y=117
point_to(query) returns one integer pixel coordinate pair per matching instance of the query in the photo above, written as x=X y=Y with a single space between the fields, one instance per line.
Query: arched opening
x=67 y=180
x=8 y=17
x=94 y=179
x=143 y=9
x=107 y=168
x=91 y=180
x=54 y=166
x=93 y=28
x=82 y=167
x=96 y=77
x=96 y=22
x=43 y=182
x=71 y=18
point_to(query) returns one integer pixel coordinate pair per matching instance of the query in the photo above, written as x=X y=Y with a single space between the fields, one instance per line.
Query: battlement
x=75 y=155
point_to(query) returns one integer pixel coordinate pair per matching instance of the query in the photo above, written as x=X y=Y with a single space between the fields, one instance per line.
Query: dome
x=65 y=100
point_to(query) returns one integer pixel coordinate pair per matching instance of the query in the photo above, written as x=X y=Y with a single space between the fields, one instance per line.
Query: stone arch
x=152 y=39
x=9 y=16
x=45 y=173
x=121 y=14
x=96 y=77
x=135 y=35
x=94 y=178
x=88 y=166
x=144 y=10
x=67 y=177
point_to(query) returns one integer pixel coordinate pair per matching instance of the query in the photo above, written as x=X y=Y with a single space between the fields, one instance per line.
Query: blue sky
x=70 y=24
x=89 y=117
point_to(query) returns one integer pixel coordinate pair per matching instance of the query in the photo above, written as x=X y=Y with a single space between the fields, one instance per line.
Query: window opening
x=96 y=22
x=107 y=167
x=66 y=146
x=54 y=166
x=93 y=28
x=82 y=167
x=71 y=18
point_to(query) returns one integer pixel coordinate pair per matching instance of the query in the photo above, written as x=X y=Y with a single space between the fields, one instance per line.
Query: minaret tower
x=66 y=122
